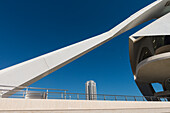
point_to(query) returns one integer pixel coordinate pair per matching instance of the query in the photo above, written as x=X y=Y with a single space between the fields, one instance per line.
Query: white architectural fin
x=159 y=27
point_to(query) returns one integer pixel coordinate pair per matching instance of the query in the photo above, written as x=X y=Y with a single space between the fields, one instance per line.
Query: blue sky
x=30 y=28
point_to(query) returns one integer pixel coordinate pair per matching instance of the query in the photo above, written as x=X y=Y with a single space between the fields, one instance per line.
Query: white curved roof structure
x=149 y=50
x=30 y=71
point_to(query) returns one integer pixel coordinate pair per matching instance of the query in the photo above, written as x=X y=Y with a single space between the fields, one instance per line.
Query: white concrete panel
x=21 y=73
x=80 y=106
x=159 y=27
x=158 y=64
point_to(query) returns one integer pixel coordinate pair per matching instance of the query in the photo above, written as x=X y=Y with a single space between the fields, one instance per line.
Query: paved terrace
x=12 y=105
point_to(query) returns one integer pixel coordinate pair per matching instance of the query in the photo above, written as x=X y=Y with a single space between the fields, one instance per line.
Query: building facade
x=149 y=50
x=91 y=93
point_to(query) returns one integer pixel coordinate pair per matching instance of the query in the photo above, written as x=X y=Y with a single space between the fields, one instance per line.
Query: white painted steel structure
x=30 y=71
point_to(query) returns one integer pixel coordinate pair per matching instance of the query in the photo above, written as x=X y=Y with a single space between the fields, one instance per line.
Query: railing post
x=126 y=98
x=135 y=98
x=77 y=96
x=61 y=95
x=1 y=94
x=115 y=98
x=164 y=99
x=151 y=99
x=26 y=92
x=143 y=98
x=23 y=94
x=47 y=94
x=44 y=95
x=65 y=94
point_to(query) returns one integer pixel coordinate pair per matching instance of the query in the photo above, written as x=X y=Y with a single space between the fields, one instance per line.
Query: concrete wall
x=8 y=105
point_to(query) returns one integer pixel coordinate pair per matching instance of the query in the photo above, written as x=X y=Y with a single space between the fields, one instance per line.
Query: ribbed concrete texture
x=80 y=106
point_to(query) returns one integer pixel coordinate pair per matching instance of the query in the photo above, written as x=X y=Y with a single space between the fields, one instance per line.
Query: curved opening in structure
x=157 y=87
x=159 y=45
x=145 y=53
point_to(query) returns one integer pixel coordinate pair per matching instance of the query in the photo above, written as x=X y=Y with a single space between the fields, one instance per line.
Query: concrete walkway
x=8 y=105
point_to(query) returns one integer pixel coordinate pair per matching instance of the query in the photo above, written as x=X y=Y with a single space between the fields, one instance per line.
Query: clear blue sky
x=30 y=28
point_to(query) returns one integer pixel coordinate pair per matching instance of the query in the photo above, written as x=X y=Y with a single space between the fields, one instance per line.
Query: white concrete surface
x=158 y=64
x=80 y=106
x=159 y=27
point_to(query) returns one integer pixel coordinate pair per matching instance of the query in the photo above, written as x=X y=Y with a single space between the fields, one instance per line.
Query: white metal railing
x=49 y=93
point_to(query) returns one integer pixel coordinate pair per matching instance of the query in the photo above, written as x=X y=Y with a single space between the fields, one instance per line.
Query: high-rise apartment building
x=91 y=93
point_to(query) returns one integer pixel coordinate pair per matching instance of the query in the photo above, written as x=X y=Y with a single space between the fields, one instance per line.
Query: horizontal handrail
x=33 y=92
x=22 y=87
